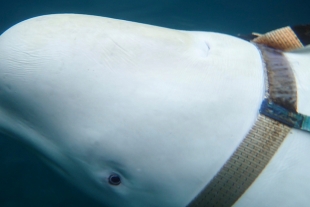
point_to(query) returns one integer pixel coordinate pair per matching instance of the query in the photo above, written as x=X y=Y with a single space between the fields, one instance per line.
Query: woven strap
x=244 y=166
x=287 y=38
x=277 y=115
x=260 y=144
x=283 y=39
x=267 y=134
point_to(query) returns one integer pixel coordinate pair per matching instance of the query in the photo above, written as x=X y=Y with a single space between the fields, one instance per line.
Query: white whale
x=160 y=109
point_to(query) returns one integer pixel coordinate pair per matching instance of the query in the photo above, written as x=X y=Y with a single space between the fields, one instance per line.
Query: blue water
x=24 y=180
x=232 y=17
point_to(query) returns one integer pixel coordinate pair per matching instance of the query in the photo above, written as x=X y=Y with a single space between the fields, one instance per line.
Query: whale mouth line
x=53 y=164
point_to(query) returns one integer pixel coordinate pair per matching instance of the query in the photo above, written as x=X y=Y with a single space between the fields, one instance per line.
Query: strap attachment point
x=281 y=114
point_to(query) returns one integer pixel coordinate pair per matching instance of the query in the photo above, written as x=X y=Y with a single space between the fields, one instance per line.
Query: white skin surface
x=162 y=108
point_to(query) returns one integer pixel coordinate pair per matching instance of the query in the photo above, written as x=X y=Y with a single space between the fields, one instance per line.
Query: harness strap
x=289 y=118
x=286 y=38
x=244 y=166
x=277 y=116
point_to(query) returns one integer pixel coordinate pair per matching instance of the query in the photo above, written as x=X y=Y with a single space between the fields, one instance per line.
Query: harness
x=277 y=115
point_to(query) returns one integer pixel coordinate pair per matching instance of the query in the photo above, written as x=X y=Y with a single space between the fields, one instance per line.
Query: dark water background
x=24 y=180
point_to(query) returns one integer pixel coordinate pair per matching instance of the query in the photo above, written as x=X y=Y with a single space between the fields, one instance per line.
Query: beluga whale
x=143 y=116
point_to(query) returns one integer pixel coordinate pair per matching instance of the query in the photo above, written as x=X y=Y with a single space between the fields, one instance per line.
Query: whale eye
x=114 y=179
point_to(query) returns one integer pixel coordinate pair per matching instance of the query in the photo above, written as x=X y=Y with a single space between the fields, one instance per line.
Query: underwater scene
x=27 y=181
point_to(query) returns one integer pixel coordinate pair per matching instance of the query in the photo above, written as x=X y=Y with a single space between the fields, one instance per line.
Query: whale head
x=133 y=114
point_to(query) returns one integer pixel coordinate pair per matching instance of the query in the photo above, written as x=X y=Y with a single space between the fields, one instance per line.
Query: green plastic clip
x=284 y=116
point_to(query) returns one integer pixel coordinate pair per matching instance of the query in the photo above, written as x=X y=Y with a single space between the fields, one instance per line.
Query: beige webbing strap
x=266 y=136
x=280 y=83
x=244 y=166
x=283 y=39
